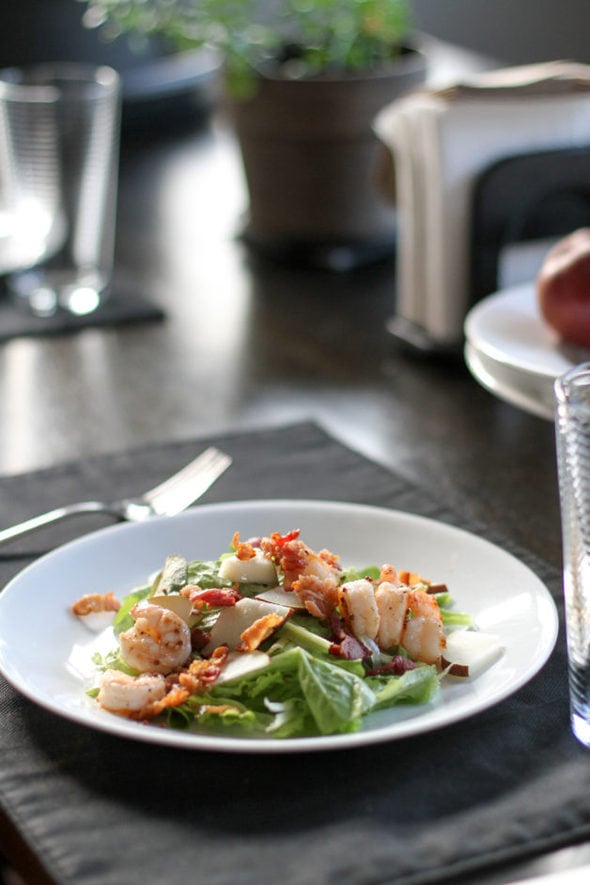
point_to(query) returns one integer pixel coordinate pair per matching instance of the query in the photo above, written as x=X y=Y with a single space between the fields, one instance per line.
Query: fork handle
x=37 y=522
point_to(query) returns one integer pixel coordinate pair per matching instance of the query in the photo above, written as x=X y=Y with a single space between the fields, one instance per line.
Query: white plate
x=45 y=652
x=513 y=353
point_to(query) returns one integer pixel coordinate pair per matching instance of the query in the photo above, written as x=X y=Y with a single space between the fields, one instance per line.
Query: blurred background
x=512 y=32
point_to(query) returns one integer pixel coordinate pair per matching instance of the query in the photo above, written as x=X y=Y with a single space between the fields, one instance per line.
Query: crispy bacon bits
x=201 y=673
x=260 y=630
x=96 y=602
x=244 y=549
x=214 y=597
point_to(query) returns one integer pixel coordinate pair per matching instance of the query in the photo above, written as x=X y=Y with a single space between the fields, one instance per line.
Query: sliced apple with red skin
x=469 y=652
x=563 y=287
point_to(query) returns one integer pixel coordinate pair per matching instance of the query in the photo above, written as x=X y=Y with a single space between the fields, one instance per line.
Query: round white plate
x=54 y=670
x=513 y=353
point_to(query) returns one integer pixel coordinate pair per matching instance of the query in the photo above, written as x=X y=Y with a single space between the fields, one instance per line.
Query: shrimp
x=394 y=614
x=423 y=636
x=121 y=693
x=138 y=697
x=392 y=605
x=158 y=642
x=359 y=608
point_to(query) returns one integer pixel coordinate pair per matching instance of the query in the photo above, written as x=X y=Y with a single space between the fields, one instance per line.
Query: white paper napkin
x=441 y=141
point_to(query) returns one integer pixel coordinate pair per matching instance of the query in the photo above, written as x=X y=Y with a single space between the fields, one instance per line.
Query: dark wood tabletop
x=247 y=343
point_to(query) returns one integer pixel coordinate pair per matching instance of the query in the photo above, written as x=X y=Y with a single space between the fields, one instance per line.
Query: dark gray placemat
x=100 y=810
x=123 y=306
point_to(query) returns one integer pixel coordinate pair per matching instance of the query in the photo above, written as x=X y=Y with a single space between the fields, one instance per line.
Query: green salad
x=276 y=639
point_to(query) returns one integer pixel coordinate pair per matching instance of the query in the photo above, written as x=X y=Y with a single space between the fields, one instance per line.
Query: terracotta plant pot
x=310 y=160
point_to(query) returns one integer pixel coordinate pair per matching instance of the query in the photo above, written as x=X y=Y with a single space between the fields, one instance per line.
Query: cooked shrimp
x=392 y=615
x=121 y=693
x=359 y=608
x=423 y=636
x=392 y=605
x=158 y=642
x=389 y=573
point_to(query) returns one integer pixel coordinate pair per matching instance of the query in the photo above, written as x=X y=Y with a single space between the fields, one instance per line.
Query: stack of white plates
x=513 y=353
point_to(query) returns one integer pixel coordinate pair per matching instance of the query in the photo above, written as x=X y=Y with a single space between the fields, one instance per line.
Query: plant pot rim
x=411 y=58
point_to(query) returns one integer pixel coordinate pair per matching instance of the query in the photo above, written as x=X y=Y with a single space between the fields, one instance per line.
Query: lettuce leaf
x=297 y=695
x=418 y=686
x=123 y=620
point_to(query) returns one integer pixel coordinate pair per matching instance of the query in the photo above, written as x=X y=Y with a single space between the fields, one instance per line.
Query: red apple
x=563 y=287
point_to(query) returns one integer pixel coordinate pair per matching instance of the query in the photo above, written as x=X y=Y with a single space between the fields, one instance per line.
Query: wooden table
x=247 y=343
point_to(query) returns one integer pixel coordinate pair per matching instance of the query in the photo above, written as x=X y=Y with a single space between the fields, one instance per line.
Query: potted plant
x=305 y=80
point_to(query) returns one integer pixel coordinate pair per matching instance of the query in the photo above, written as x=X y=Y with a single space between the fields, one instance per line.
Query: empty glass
x=59 y=149
x=572 y=393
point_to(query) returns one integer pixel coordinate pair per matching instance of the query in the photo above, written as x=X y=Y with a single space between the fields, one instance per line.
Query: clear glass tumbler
x=572 y=393
x=59 y=151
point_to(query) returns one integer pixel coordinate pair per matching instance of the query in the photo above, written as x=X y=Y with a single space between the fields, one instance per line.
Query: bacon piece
x=96 y=602
x=203 y=671
x=281 y=540
x=319 y=595
x=397 y=666
x=244 y=549
x=199 y=638
x=174 y=698
x=344 y=644
x=411 y=578
x=214 y=596
x=350 y=648
x=260 y=630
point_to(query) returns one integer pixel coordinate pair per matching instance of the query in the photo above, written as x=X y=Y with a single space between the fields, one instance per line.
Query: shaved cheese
x=257 y=570
x=180 y=605
x=235 y=619
x=240 y=664
x=281 y=597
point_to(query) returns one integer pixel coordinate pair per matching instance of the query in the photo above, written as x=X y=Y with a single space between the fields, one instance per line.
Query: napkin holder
x=458 y=153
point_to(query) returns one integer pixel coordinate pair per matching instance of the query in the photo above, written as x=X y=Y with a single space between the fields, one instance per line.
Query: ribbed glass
x=572 y=392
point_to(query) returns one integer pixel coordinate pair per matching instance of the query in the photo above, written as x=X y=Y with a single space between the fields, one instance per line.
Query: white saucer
x=513 y=353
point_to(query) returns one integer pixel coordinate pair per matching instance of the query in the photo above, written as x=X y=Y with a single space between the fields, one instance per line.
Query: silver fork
x=169 y=497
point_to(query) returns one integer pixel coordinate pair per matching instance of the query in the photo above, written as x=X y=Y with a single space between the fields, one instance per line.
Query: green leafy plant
x=287 y=38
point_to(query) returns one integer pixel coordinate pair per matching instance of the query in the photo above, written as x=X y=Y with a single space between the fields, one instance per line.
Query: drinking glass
x=572 y=392
x=59 y=149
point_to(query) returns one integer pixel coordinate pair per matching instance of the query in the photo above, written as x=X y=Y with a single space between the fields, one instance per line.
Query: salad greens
x=299 y=683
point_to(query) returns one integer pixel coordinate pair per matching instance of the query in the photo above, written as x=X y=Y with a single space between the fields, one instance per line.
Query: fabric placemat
x=101 y=810
x=123 y=306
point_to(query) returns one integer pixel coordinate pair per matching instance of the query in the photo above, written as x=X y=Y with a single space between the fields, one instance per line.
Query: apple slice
x=469 y=652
